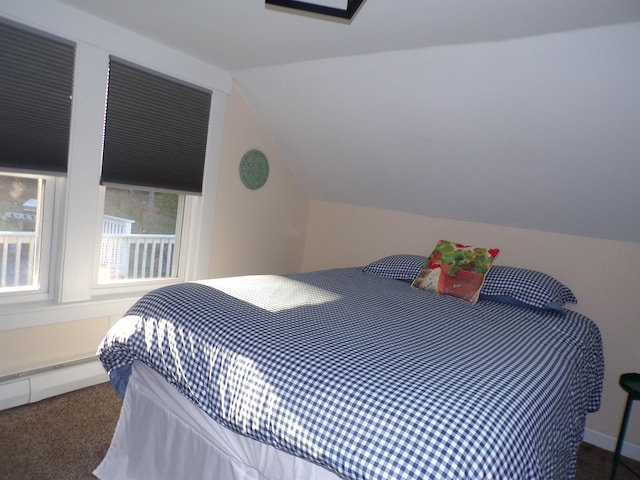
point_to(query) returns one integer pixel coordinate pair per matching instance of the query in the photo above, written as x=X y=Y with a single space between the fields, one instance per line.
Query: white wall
x=256 y=231
x=537 y=132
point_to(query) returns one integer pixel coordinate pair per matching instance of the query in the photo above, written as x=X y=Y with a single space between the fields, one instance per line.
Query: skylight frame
x=318 y=8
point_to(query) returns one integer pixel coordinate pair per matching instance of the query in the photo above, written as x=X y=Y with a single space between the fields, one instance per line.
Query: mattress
x=369 y=378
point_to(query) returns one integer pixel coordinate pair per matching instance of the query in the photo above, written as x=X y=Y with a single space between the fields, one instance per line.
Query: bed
x=352 y=374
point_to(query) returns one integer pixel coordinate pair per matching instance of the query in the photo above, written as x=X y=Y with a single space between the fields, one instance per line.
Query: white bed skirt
x=162 y=435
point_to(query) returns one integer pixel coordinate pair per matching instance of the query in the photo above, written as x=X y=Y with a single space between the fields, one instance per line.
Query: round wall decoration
x=254 y=169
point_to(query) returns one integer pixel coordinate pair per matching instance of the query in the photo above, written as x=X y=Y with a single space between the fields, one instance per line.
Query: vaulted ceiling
x=512 y=112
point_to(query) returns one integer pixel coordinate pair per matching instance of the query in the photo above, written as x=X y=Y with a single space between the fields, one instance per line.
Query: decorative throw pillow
x=397 y=267
x=455 y=269
x=530 y=288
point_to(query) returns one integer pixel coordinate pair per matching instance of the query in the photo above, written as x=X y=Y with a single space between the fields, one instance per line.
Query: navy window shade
x=155 y=132
x=36 y=88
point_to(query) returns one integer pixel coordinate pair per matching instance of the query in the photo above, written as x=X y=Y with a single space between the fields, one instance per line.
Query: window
x=36 y=87
x=67 y=172
x=25 y=205
x=155 y=139
x=140 y=235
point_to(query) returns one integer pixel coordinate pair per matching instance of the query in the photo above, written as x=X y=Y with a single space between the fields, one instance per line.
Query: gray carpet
x=65 y=438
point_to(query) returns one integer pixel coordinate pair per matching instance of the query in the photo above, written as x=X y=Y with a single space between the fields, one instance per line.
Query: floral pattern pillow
x=455 y=269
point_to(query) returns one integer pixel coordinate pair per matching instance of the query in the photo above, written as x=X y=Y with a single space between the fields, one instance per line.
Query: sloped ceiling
x=522 y=112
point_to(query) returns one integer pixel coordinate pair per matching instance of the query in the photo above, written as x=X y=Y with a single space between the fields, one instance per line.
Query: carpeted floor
x=60 y=438
x=65 y=438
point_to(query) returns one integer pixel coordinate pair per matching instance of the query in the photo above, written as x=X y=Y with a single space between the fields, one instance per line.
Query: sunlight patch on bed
x=123 y=329
x=273 y=293
x=248 y=401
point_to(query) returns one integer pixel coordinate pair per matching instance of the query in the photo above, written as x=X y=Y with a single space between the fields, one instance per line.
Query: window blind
x=155 y=132
x=36 y=87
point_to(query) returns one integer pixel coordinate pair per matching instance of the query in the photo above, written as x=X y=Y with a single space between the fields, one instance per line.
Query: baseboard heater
x=40 y=383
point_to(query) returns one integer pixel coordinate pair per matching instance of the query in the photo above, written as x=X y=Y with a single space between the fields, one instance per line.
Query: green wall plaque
x=254 y=169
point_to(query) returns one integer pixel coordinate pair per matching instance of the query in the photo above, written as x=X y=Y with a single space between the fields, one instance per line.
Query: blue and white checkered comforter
x=371 y=378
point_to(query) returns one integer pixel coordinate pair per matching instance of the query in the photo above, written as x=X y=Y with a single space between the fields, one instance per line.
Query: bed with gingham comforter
x=373 y=379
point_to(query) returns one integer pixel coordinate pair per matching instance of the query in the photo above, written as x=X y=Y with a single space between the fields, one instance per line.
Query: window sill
x=36 y=314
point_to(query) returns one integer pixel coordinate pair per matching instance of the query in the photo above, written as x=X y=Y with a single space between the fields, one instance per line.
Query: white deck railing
x=122 y=257
x=17 y=251
x=135 y=256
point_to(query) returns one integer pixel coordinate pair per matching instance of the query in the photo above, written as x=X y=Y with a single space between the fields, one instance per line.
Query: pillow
x=398 y=267
x=455 y=269
x=529 y=288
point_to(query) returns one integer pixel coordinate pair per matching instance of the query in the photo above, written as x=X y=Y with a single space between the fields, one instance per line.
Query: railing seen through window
x=139 y=231
x=21 y=204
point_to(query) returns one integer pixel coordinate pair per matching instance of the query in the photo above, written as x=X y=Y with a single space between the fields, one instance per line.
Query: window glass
x=21 y=205
x=139 y=232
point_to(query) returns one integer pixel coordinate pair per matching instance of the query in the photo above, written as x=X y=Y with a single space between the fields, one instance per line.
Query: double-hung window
x=101 y=196
x=155 y=138
x=36 y=87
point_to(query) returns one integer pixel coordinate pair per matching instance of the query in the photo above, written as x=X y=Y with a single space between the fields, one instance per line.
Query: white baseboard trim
x=50 y=382
x=608 y=442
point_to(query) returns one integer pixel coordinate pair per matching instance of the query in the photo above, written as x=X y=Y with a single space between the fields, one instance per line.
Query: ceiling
x=522 y=113
x=241 y=34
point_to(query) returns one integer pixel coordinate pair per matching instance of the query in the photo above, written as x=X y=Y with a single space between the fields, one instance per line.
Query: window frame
x=124 y=286
x=85 y=200
x=48 y=230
